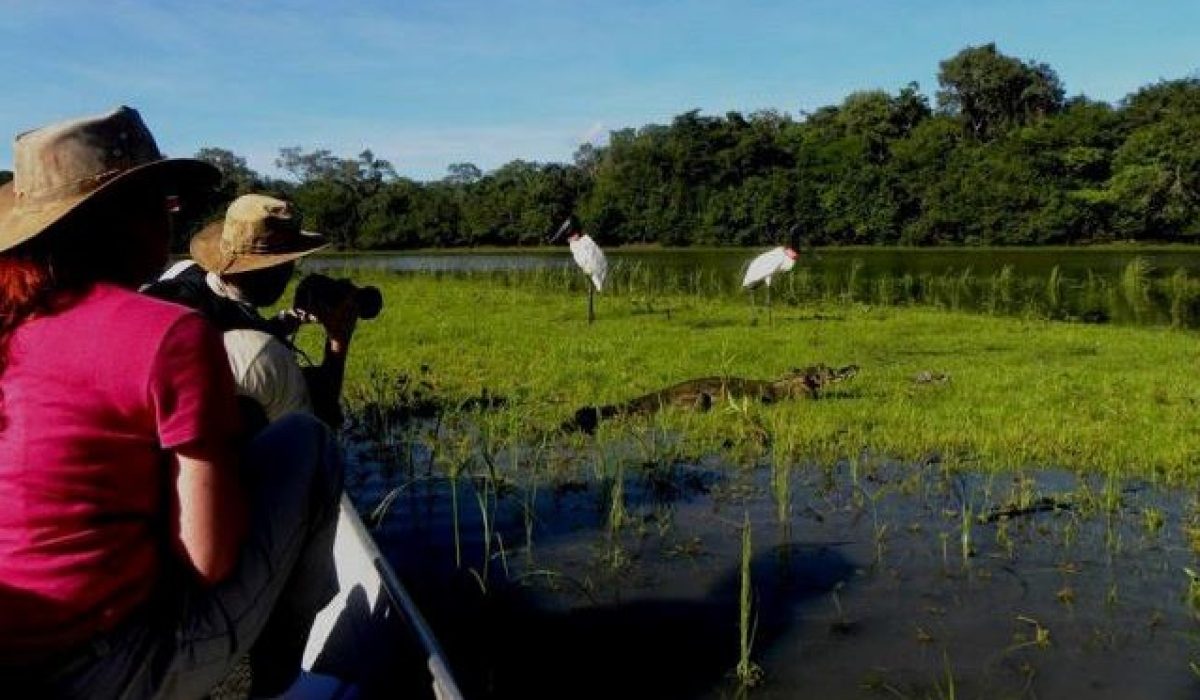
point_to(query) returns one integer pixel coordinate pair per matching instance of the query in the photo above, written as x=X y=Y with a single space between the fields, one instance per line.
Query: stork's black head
x=570 y=226
x=793 y=240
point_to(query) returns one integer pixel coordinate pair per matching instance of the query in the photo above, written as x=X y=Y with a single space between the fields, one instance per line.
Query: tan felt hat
x=60 y=167
x=257 y=232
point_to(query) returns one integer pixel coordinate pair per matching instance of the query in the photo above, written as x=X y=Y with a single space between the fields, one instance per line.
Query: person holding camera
x=244 y=262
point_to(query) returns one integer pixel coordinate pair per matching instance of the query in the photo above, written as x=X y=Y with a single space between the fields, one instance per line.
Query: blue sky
x=428 y=83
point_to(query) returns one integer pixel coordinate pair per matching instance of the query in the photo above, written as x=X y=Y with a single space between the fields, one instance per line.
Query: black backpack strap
x=190 y=288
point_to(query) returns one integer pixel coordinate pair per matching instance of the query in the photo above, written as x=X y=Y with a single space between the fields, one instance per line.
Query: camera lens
x=369 y=301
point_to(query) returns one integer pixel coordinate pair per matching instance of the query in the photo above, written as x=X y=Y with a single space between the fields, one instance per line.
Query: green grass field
x=1020 y=394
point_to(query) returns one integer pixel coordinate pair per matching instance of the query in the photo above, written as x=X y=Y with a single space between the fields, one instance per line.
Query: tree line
x=999 y=157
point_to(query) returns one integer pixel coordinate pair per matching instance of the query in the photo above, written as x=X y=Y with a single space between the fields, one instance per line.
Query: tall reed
x=1180 y=293
x=1054 y=284
x=748 y=673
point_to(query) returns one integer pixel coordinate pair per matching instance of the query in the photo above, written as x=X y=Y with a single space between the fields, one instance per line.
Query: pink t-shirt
x=93 y=397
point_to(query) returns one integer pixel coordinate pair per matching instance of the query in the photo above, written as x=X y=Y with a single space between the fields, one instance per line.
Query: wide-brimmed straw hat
x=59 y=168
x=257 y=232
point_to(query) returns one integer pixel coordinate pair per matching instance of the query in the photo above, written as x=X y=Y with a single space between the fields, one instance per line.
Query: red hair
x=42 y=276
x=23 y=286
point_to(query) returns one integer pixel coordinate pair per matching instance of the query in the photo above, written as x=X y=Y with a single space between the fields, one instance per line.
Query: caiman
x=701 y=394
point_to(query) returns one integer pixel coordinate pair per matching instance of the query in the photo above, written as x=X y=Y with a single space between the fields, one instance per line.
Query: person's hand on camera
x=339 y=320
x=288 y=321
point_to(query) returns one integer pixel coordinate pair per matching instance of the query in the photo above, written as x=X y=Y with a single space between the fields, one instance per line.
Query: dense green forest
x=1000 y=157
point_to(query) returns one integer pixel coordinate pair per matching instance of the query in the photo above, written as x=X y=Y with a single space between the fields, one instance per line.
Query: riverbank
x=1017 y=393
x=1135 y=247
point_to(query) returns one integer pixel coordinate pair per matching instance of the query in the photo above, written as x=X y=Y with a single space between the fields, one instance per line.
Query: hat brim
x=205 y=249
x=183 y=175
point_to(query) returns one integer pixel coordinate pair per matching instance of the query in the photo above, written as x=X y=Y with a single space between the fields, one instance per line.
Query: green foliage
x=1005 y=160
x=1163 y=99
x=991 y=92
x=1156 y=183
x=236 y=177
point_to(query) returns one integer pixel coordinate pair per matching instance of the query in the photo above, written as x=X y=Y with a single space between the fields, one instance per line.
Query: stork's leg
x=770 y=316
x=591 y=303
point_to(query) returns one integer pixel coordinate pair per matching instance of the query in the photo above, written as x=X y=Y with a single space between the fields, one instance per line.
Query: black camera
x=317 y=292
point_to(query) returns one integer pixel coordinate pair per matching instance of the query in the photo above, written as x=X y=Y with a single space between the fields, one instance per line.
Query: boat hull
x=370 y=639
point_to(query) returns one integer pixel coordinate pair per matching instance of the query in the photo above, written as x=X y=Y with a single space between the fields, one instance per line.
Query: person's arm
x=325 y=380
x=209 y=517
x=192 y=395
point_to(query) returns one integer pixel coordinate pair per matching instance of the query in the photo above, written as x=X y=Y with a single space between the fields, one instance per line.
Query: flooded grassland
x=997 y=505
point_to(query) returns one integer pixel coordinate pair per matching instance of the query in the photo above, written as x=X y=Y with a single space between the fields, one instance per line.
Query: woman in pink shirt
x=136 y=557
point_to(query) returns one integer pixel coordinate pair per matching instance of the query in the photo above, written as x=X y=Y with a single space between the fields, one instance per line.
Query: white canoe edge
x=367 y=585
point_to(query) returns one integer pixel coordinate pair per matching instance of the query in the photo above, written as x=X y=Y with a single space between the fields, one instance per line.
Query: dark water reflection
x=861 y=585
x=1138 y=286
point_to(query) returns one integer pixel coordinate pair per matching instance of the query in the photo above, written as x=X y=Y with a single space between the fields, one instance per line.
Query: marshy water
x=568 y=566
x=559 y=573
x=1140 y=286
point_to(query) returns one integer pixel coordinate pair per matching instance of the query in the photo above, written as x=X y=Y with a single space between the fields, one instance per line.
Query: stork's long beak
x=566 y=226
x=794 y=237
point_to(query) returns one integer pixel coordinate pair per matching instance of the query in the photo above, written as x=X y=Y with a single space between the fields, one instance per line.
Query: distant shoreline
x=654 y=248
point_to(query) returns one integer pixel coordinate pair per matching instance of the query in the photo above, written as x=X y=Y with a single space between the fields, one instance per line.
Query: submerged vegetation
x=1137 y=293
